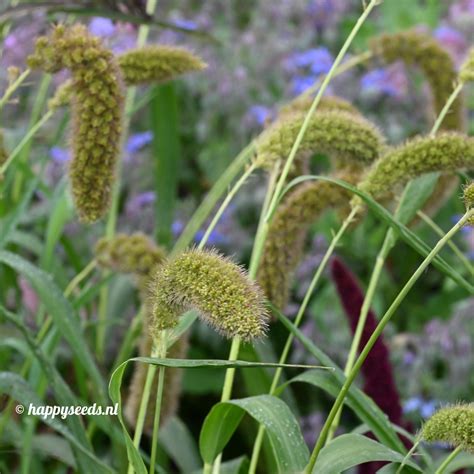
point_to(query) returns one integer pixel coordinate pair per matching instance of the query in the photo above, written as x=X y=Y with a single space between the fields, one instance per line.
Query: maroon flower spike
x=377 y=370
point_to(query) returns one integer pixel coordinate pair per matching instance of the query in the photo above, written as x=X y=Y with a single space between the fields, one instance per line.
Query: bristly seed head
x=157 y=64
x=466 y=73
x=453 y=425
x=97 y=112
x=211 y=284
x=468 y=197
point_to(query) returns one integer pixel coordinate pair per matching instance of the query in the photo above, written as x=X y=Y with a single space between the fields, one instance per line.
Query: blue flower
x=301 y=83
x=379 y=81
x=215 y=237
x=177 y=227
x=138 y=140
x=102 y=27
x=428 y=408
x=318 y=60
x=259 y=113
x=185 y=24
x=59 y=155
x=412 y=404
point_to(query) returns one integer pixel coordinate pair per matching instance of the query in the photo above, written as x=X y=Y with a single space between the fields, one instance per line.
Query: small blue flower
x=259 y=113
x=215 y=237
x=185 y=24
x=427 y=409
x=59 y=155
x=302 y=83
x=102 y=27
x=138 y=140
x=143 y=199
x=177 y=227
x=318 y=60
x=379 y=81
x=412 y=404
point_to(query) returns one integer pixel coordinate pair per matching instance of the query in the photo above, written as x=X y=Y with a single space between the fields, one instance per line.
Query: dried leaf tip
x=218 y=289
x=453 y=425
x=157 y=64
x=97 y=112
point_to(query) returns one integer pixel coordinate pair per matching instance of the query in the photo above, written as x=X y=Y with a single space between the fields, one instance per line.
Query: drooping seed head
x=211 y=284
x=422 y=51
x=466 y=73
x=157 y=64
x=343 y=136
x=62 y=96
x=453 y=425
x=135 y=253
x=97 y=112
x=444 y=152
x=284 y=246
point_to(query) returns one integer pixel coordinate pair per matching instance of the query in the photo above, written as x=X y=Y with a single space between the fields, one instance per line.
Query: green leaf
x=179 y=443
x=61 y=312
x=167 y=156
x=18 y=389
x=461 y=461
x=350 y=450
x=406 y=234
x=368 y=411
x=281 y=428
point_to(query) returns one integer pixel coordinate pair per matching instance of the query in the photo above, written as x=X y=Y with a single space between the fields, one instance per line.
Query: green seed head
x=453 y=425
x=62 y=96
x=467 y=69
x=445 y=152
x=97 y=112
x=3 y=150
x=213 y=285
x=284 y=246
x=134 y=253
x=421 y=51
x=343 y=136
x=157 y=64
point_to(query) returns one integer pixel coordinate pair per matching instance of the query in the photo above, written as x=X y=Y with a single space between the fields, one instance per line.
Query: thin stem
x=82 y=275
x=235 y=189
x=446 y=108
x=377 y=332
x=25 y=141
x=283 y=357
x=408 y=456
x=314 y=105
x=159 y=398
x=113 y=213
x=13 y=87
x=440 y=232
x=448 y=460
x=211 y=199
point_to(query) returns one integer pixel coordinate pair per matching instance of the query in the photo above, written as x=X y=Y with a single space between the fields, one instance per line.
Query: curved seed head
x=97 y=112
x=211 y=284
x=444 y=152
x=157 y=64
x=453 y=425
x=422 y=51
x=343 y=136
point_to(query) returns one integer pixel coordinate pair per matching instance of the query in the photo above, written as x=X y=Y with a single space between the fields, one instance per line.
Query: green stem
x=207 y=205
x=448 y=460
x=314 y=105
x=113 y=213
x=408 y=456
x=13 y=87
x=159 y=398
x=235 y=189
x=377 y=332
x=286 y=350
x=446 y=108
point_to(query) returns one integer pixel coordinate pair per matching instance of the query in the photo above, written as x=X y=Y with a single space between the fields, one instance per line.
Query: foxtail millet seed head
x=97 y=112
x=468 y=197
x=448 y=151
x=422 y=51
x=453 y=425
x=343 y=136
x=218 y=289
x=157 y=64
x=284 y=246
